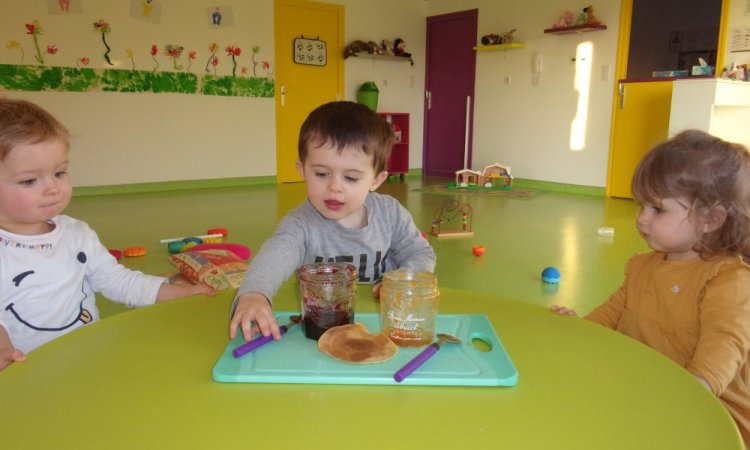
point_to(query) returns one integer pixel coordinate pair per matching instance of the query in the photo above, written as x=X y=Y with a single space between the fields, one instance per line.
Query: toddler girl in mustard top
x=690 y=297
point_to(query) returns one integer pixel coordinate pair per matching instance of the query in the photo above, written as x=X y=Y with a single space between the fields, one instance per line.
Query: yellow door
x=641 y=121
x=640 y=112
x=316 y=78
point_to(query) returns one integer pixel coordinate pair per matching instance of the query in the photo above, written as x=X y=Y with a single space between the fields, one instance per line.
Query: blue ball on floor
x=551 y=275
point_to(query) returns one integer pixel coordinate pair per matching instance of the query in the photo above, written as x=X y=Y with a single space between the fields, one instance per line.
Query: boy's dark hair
x=347 y=124
x=711 y=174
x=22 y=122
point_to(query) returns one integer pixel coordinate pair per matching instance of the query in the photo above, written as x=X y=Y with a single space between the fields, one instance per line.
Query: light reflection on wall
x=582 y=84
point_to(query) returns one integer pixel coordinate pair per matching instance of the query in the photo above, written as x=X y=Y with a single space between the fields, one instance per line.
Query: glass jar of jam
x=328 y=292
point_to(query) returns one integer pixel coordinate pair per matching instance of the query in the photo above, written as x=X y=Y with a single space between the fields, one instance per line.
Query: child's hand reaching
x=169 y=292
x=376 y=290
x=8 y=353
x=563 y=311
x=253 y=314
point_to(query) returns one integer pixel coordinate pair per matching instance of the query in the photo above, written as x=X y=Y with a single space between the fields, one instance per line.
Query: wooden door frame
x=621 y=66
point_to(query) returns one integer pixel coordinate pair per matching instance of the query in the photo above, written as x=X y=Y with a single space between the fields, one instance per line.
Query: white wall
x=140 y=137
x=401 y=85
x=526 y=125
x=121 y=138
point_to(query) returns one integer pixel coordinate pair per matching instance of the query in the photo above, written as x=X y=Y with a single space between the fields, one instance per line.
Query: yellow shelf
x=512 y=45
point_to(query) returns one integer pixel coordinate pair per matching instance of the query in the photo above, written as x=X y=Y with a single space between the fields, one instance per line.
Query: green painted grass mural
x=74 y=79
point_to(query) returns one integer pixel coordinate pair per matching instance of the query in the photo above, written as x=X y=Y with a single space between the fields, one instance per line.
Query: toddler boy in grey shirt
x=343 y=151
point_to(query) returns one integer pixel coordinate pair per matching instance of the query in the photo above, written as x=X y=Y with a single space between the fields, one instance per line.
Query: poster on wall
x=148 y=10
x=740 y=40
x=220 y=16
x=64 y=7
x=310 y=51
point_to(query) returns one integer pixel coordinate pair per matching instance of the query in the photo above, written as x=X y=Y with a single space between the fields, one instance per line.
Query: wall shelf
x=384 y=57
x=511 y=45
x=576 y=29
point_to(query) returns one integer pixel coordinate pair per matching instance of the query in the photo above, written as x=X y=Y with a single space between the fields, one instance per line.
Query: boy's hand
x=376 y=289
x=563 y=311
x=169 y=292
x=253 y=314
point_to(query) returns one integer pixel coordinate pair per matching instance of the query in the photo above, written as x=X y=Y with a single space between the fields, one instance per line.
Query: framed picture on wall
x=311 y=52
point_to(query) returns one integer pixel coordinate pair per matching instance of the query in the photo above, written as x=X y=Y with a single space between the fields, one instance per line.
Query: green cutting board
x=480 y=359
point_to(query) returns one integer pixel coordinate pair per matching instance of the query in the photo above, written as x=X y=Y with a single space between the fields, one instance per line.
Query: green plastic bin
x=368 y=95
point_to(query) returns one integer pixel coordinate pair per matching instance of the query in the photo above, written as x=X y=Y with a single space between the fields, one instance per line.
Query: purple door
x=449 y=82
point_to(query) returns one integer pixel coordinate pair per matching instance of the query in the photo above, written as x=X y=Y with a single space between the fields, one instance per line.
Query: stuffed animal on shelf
x=590 y=17
x=360 y=47
x=507 y=37
x=399 y=48
x=386 y=47
x=491 y=39
x=567 y=19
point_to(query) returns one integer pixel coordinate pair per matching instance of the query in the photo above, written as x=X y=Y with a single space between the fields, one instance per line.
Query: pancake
x=352 y=343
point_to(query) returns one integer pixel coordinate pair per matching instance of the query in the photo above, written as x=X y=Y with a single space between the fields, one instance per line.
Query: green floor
x=522 y=236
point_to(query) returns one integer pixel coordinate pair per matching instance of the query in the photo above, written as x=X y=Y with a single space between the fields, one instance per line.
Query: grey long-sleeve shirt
x=390 y=241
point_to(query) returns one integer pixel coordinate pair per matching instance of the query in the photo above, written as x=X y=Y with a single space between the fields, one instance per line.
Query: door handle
x=282 y=92
x=428 y=97
x=621 y=95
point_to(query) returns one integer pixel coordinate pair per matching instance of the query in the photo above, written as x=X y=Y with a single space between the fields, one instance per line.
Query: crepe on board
x=352 y=343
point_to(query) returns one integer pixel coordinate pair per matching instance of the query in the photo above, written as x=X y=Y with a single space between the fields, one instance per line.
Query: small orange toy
x=134 y=251
x=478 y=250
x=221 y=231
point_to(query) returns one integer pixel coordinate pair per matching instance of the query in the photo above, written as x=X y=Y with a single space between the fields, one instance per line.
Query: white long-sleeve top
x=47 y=282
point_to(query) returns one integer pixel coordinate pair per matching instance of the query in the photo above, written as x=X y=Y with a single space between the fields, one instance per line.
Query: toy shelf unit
x=398 y=163
x=576 y=29
x=508 y=46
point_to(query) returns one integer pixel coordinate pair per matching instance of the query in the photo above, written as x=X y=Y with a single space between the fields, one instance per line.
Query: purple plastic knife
x=421 y=358
x=247 y=347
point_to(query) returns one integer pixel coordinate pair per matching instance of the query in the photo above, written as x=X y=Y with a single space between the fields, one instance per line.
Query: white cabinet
x=717 y=106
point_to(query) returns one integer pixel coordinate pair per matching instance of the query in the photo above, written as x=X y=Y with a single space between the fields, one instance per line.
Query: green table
x=142 y=380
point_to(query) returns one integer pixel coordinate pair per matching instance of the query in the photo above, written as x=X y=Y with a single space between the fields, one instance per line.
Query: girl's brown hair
x=22 y=122
x=712 y=174
x=348 y=124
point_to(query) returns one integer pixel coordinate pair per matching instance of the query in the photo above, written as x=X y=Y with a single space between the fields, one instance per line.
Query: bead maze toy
x=445 y=215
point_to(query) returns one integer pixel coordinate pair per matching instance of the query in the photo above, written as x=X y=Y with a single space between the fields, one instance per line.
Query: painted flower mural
x=34 y=29
x=213 y=48
x=154 y=51
x=104 y=28
x=15 y=45
x=191 y=56
x=174 y=52
x=234 y=52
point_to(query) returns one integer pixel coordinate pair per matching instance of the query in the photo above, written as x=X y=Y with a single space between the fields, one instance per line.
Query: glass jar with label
x=408 y=307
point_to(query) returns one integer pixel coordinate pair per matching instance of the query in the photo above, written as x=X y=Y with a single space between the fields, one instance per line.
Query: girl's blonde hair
x=22 y=122
x=713 y=175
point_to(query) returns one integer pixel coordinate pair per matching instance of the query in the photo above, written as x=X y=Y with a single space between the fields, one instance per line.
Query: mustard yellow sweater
x=697 y=313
